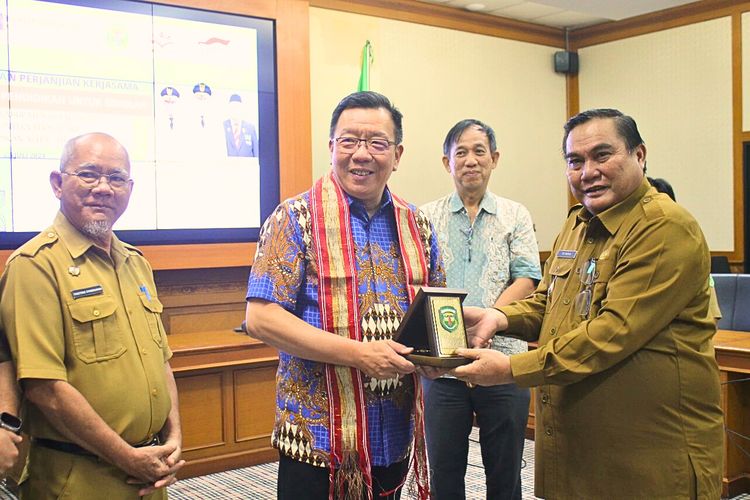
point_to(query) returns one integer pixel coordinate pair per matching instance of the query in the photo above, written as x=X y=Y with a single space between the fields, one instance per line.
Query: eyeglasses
x=583 y=299
x=90 y=178
x=349 y=144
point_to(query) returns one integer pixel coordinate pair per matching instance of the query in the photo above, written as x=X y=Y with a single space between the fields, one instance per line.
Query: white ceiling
x=564 y=13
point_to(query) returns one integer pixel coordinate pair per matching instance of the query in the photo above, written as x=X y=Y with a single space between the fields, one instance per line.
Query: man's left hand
x=489 y=367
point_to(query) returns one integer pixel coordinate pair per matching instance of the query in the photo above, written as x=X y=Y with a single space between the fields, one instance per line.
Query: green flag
x=364 y=74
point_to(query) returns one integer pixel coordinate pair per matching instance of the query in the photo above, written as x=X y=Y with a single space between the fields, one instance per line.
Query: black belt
x=77 y=450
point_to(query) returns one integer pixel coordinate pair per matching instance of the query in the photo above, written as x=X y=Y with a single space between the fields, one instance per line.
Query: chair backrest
x=720 y=265
x=741 y=320
x=726 y=292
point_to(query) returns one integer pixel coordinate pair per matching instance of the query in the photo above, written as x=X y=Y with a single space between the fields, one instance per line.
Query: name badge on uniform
x=566 y=254
x=87 y=292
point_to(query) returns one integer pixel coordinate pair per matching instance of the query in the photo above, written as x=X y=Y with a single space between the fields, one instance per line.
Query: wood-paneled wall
x=672 y=18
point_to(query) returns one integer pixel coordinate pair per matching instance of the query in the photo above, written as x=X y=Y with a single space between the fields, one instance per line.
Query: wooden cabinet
x=733 y=356
x=226 y=385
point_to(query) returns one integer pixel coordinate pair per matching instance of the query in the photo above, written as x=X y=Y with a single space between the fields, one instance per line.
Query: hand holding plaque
x=434 y=327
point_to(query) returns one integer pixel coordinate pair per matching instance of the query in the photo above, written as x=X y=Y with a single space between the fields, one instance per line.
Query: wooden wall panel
x=202 y=318
x=255 y=403
x=692 y=13
x=202 y=300
x=201 y=410
x=226 y=383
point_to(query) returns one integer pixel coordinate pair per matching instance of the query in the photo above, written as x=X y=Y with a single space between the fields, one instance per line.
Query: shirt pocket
x=560 y=271
x=605 y=268
x=96 y=334
x=153 y=308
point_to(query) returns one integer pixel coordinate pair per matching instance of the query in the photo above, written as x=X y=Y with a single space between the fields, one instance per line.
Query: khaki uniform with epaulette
x=627 y=396
x=73 y=313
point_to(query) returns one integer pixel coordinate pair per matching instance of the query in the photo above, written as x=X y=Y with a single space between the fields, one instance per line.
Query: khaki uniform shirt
x=73 y=313
x=627 y=404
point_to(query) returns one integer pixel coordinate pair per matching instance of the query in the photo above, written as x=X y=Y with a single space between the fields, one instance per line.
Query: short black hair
x=368 y=100
x=625 y=125
x=455 y=133
x=662 y=186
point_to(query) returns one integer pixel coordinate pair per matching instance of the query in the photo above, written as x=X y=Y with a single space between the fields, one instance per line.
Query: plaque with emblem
x=434 y=327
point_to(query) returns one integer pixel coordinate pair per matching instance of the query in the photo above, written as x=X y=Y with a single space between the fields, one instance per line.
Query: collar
x=353 y=202
x=612 y=218
x=488 y=203
x=78 y=243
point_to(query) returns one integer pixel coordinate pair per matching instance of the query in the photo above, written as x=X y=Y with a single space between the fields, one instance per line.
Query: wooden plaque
x=434 y=327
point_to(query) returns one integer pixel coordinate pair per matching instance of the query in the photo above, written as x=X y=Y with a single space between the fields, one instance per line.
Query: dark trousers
x=501 y=412
x=301 y=481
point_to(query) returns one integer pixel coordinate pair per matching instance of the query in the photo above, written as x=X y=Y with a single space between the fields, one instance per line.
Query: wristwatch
x=10 y=422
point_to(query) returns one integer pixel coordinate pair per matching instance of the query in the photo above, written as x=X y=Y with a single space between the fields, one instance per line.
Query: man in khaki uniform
x=627 y=400
x=83 y=319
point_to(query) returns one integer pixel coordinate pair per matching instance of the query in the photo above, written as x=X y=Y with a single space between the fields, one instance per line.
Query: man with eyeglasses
x=627 y=399
x=489 y=248
x=334 y=273
x=82 y=317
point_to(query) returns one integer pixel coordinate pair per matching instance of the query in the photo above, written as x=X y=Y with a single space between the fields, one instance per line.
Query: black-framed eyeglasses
x=91 y=178
x=350 y=144
x=583 y=299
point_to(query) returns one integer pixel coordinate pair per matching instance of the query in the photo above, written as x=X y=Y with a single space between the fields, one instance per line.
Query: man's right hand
x=482 y=325
x=384 y=359
x=148 y=464
x=8 y=450
x=172 y=461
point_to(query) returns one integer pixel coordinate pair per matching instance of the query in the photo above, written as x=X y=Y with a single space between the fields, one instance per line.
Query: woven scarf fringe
x=350 y=480
x=419 y=461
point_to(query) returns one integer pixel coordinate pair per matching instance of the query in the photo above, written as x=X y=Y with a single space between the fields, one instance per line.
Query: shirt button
x=589 y=240
x=97 y=313
x=50 y=235
x=553 y=331
x=153 y=392
x=646 y=199
x=545 y=398
x=144 y=351
x=566 y=301
x=548 y=431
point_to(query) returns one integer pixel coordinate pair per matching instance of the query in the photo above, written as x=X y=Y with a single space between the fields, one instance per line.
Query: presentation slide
x=181 y=93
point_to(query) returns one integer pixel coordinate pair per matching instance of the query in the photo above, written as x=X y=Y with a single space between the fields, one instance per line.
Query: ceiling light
x=475 y=7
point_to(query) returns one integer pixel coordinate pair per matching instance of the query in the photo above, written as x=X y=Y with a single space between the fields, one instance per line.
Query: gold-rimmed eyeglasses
x=91 y=178
x=587 y=275
x=350 y=144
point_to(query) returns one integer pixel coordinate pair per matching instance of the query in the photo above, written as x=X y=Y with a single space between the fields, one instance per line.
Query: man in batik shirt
x=335 y=271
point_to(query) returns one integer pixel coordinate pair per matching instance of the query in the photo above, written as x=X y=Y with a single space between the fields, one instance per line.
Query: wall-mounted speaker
x=566 y=62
